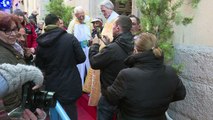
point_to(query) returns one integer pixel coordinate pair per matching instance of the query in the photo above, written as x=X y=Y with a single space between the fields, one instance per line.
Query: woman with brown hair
x=145 y=89
x=10 y=52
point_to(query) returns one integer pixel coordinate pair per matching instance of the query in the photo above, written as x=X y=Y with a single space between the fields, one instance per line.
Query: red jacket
x=31 y=38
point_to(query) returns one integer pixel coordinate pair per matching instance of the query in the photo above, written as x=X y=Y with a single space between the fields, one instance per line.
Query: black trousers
x=71 y=110
x=105 y=111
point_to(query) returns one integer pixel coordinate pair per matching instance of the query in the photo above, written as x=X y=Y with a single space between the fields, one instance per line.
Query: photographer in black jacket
x=110 y=60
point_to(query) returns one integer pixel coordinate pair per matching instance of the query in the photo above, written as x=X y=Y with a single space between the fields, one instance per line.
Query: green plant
x=58 y=8
x=158 y=17
x=195 y=3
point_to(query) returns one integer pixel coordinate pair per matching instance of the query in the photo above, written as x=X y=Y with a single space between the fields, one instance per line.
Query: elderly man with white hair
x=80 y=27
x=107 y=9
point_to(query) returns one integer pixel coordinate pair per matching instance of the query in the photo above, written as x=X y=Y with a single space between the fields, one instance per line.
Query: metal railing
x=58 y=113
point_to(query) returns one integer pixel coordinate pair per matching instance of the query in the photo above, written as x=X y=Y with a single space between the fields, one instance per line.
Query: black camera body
x=32 y=99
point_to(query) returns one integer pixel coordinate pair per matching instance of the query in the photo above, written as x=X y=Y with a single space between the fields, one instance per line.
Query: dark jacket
x=110 y=60
x=9 y=55
x=57 y=55
x=145 y=90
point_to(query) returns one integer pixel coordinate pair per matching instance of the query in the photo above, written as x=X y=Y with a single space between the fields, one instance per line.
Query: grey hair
x=78 y=9
x=108 y=4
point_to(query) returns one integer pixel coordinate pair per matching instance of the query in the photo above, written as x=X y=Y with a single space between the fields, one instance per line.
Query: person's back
x=145 y=90
x=57 y=55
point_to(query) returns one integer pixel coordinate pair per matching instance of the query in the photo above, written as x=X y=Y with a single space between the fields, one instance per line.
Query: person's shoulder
x=169 y=68
x=69 y=36
x=111 y=46
x=127 y=72
x=170 y=71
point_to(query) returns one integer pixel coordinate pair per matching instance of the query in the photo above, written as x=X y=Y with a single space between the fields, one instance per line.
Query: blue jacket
x=3 y=86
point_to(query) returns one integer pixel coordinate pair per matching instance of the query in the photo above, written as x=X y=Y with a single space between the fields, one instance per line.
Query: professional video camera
x=32 y=99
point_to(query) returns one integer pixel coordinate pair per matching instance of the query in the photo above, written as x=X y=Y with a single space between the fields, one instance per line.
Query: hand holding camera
x=29 y=115
x=31 y=101
x=104 y=39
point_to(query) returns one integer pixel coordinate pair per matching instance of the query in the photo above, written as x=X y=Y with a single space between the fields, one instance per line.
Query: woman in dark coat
x=145 y=89
x=10 y=52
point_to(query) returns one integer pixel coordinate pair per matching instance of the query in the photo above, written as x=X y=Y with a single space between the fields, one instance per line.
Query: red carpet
x=85 y=112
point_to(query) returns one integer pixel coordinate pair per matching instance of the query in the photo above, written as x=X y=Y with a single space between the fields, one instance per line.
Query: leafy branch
x=58 y=8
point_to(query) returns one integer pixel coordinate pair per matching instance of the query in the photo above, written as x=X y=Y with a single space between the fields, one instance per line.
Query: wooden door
x=123 y=8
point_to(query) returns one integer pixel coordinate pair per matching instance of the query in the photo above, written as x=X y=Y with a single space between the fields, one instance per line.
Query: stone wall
x=197 y=76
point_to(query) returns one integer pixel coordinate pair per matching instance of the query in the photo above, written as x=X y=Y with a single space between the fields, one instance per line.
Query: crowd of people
x=135 y=83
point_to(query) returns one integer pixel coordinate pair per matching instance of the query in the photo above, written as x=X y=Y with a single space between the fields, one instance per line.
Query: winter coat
x=9 y=55
x=57 y=55
x=145 y=90
x=16 y=75
x=110 y=60
x=31 y=37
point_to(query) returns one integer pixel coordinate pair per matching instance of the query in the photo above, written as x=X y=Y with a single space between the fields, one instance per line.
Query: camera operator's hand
x=29 y=115
x=106 y=39
x=96 y=40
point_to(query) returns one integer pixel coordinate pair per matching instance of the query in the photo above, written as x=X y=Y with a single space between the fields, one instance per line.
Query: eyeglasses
x=15 y=31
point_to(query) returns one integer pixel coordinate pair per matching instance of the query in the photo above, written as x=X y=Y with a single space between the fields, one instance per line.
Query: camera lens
x=33 y=99
x=44 y=99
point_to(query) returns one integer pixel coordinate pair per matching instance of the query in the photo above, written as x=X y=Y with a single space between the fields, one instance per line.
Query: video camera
x=32 y=99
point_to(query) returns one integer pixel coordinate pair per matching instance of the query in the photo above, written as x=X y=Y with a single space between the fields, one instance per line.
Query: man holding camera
x=110 y=60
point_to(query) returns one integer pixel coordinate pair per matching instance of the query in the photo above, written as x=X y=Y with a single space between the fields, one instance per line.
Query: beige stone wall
x=194 y=50
x=135 y=11
x=38 y=5
x=201 y=30
x=91 y=6
x=74 y=3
